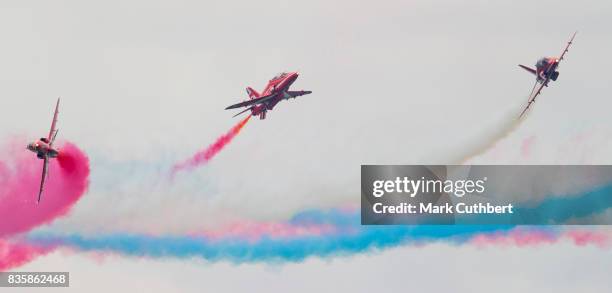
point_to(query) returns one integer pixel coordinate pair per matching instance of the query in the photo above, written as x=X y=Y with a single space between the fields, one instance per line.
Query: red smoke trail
x=20 y=174
x=203 y=156
x=16 y=254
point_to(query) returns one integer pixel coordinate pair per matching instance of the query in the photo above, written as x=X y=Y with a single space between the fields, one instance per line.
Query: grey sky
x=399 y=82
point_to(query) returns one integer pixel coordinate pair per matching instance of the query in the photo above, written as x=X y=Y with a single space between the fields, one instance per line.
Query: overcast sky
x=144 y=84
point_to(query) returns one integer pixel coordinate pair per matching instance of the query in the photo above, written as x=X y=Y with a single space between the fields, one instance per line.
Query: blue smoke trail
x=269 y=249
x=350 y=238
x=553 y=210
x=559 y=209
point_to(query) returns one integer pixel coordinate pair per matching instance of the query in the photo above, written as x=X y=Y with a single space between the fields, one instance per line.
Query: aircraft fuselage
x=546 y=67
x=42 y=149
x=278 y=87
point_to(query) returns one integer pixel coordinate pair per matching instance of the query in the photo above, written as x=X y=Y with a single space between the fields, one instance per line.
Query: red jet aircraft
x=276 y=91
x=44 y=149
x=546 y=70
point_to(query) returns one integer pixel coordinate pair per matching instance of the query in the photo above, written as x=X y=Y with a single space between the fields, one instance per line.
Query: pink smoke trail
x=13 y=255
x=254 y=231
x=20 y=178
x=20 y=175
x=522 y=238
x=203 y=156
x=527 y=146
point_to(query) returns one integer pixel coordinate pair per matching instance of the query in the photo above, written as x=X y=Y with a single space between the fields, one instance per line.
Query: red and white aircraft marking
x=546 y=70
x=276 y=91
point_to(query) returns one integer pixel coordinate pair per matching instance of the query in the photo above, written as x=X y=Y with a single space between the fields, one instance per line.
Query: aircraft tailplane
x=531 y=70
x=253 y=94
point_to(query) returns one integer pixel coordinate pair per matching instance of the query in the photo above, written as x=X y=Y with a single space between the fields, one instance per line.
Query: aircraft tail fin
x=531 y=70
x=253 y=94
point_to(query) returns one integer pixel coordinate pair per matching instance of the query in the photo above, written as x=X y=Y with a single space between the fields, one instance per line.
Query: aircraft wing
x=53 y=139
x=567 y=47
x=534 y=94
x=44 y=176
x=252 y=102
x=54 y=122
